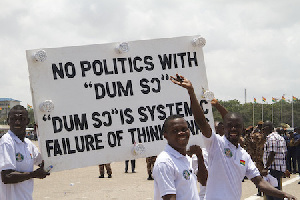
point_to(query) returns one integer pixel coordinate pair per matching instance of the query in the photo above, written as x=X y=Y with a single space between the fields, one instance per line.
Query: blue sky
x=252 y=45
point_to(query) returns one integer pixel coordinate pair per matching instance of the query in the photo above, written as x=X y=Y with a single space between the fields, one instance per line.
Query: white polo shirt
x=227 y=167
x=19 y=156
x=173 y=174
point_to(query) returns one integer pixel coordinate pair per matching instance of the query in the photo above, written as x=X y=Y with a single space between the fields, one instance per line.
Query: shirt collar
x=231 y=145
x=173 y=152
x=14 y=137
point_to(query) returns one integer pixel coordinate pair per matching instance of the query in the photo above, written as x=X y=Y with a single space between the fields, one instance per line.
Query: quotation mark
x=165 y=77
x=45 y=118
x=86 y=85
x=114 y=111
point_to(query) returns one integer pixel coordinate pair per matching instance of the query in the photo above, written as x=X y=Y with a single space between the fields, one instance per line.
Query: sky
x=251 y=46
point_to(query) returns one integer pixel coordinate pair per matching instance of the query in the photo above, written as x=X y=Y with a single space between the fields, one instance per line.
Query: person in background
x=150 y=163
x=297 y=144
x=291 y=156
x=108 y=170
x=132 y=166
x=274 y=157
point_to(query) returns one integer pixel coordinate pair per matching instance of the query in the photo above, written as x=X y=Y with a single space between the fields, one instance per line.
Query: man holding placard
x=18 y=155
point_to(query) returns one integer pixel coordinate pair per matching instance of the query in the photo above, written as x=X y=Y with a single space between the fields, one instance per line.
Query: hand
x=195 y=149
x=183 y=82
x=214 y=102
x=287 y=173
x=40 y=172
x=289 y=197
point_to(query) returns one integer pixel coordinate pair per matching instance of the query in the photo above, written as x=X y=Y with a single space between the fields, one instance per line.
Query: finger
x=175 y=81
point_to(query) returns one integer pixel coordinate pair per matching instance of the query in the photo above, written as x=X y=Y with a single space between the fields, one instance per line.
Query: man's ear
x=166 y=135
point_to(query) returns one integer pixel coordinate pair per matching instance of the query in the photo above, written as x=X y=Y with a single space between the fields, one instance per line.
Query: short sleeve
x=208 y=141
x=251 y=170
x=7 y=157
x=164 y=176
x=37 y=156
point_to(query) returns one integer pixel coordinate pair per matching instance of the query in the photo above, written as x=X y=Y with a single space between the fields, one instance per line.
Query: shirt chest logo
x=228 y=152
x=186 y=174
x=242 y=162
x=19 y=157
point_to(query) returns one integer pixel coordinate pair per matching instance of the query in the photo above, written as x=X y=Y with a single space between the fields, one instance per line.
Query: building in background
x=5 y=105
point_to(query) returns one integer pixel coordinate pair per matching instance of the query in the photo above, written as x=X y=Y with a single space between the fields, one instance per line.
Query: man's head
x=233 y=127
x=249 y=130
x=260 y=124
x=18 y=120
x=268 y=127
x=176 y=132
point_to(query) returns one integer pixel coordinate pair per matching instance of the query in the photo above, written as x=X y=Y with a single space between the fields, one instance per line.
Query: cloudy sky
x=252 y=45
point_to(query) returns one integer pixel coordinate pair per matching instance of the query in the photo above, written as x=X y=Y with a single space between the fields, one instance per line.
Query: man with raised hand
x=228 y=162
x=18 y=155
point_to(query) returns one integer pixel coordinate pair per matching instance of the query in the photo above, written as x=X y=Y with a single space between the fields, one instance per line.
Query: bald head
x=233 y=127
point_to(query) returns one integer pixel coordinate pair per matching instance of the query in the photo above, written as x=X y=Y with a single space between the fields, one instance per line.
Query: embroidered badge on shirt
x=242 y=162
x=227 y=152
x=186 y=174
x=19 y=157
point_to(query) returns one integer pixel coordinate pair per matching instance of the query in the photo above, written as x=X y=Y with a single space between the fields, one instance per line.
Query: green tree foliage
x=282 y=112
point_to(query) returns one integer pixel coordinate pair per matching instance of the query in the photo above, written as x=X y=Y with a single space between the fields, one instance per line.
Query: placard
x=101 y=103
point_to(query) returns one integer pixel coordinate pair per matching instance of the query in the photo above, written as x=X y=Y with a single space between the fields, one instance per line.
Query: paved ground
x=84 y=184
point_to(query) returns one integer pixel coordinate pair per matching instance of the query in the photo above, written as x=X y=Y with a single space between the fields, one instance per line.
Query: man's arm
x=268 y=164
x=221 y=109
x=196 y=108
x=169 y=197
x=268 y=189
x=11 y=176
x=202 y=173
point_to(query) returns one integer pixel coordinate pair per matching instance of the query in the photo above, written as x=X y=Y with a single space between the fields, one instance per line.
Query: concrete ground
x=84 y=184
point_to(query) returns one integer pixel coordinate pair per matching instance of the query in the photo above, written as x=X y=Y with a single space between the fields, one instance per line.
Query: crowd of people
x=231 y=154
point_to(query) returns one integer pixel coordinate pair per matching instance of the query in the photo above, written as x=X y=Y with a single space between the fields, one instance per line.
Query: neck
x=21 y=138
x=20 y=135
x=180 y=150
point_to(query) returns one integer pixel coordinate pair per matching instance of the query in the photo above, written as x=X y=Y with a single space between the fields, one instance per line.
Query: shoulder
x=163 y=157
x=27 y=141
x=245 y=153
x=6 y=139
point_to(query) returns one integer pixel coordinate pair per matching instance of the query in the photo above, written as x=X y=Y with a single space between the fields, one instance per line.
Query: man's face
x=17 y=120
x=233 y=127
x=177 y=134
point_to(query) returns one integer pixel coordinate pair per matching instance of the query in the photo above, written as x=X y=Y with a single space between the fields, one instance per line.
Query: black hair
x=166 y=123
x=17 y=107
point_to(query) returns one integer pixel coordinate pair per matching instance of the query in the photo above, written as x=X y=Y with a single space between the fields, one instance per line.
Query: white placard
x=98 y=104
